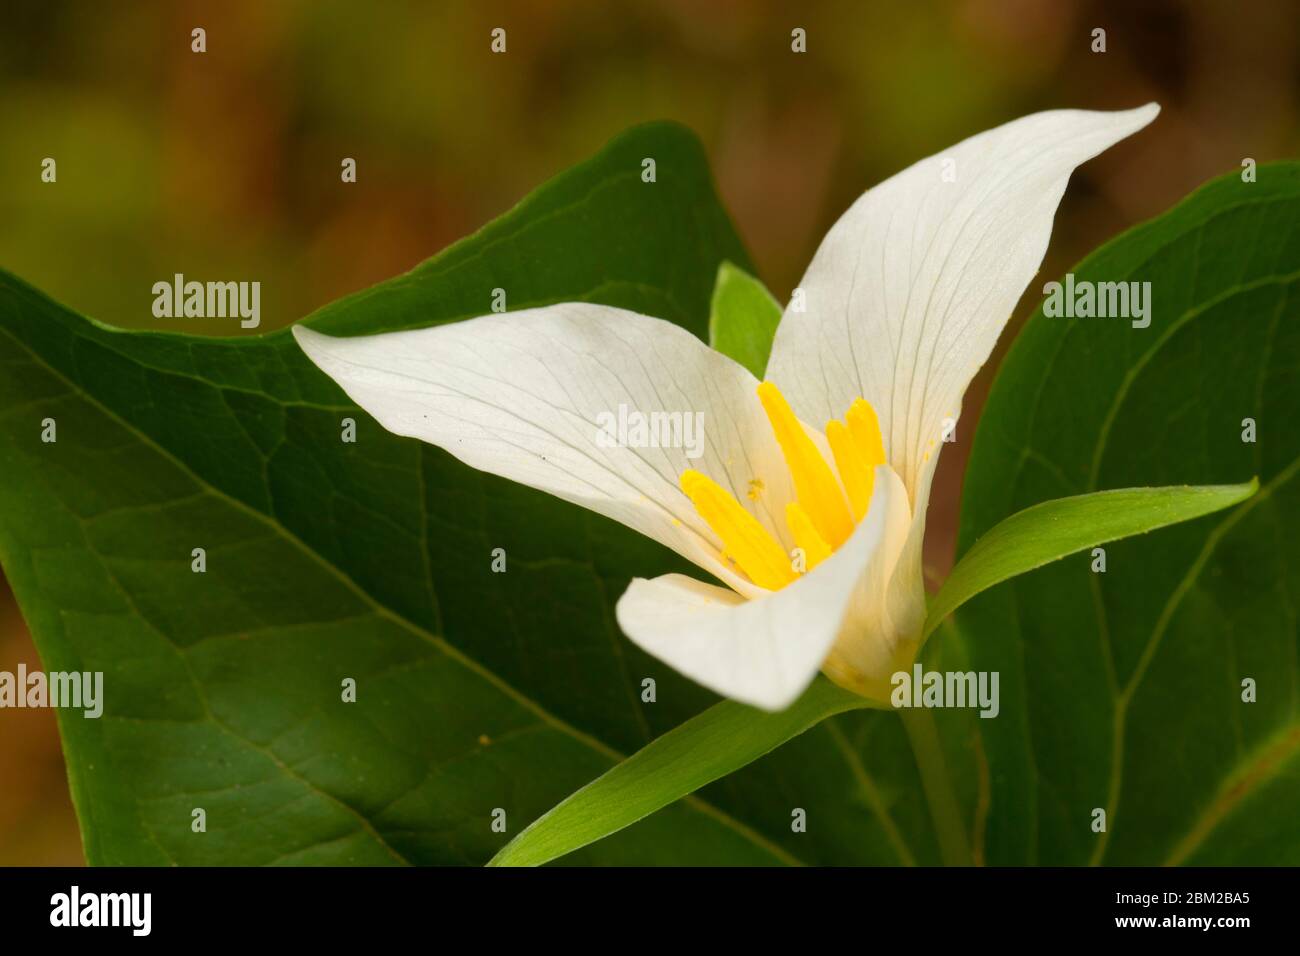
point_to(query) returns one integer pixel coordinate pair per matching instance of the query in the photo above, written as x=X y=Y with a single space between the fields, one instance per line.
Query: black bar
x=454 y=907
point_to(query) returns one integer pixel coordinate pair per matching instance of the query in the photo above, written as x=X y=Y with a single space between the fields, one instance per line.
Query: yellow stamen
x=857 y=477
x=865 y=429
x=815 y=485
x=744 y=540
x=814 y=546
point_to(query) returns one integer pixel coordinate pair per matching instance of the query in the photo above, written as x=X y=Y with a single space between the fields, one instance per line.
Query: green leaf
x=328 y=561
x=1049 y=531
x=1123 y=691
x=717 y=742
x=743 y=318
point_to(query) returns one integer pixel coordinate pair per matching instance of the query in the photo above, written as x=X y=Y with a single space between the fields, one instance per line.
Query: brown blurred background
x=227 y=163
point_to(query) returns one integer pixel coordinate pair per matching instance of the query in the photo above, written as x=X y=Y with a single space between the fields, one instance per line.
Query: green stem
x=954 y=845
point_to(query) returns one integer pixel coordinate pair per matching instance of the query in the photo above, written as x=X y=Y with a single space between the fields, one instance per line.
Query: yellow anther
x=815 y=486
x=858 y=479
x=819 y=520
x=865 y=429
x=814 y=546
x=744 y=540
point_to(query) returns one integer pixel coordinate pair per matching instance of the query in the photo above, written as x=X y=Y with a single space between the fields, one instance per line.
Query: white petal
x=524 y=395
x=884 y=619
x=765 y=651
x=910 y=289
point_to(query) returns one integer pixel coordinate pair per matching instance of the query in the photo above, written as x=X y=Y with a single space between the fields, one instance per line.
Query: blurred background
x=227 y=163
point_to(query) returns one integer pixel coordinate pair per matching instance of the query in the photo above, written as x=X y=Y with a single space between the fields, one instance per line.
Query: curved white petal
x=910 y=289
x=535 y=396
x=885 y=616
x=765 y=651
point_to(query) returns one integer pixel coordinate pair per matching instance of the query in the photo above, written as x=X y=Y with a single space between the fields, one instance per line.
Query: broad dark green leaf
x=328 y=560
x=1123 y=690
x=743 y=318
x=719 y=741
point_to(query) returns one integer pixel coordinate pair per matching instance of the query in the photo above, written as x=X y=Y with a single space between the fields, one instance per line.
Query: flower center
x=819 y=519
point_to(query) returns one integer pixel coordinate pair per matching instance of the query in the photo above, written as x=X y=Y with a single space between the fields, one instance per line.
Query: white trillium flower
x=807 y=496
